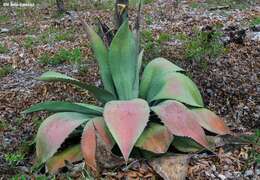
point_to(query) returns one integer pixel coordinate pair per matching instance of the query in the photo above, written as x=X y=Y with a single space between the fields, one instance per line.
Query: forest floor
x=229 y=83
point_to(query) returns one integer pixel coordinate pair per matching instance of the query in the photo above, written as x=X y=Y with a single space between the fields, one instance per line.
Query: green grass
x=3 y=125
x=53 y=35
x=255 y=21
x=19 y=177
x=4 y=18
x=14 y=159
x=164 y=37
x=3 y=49
x=153 y=44
x=50 y=36
x=72 y=56
x=148 y=1
x=5 y=70
x=149 y=20
x=202 y=45
x=29 y=42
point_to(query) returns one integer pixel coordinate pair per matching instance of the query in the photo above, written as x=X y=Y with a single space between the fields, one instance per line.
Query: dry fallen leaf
x=171 y=167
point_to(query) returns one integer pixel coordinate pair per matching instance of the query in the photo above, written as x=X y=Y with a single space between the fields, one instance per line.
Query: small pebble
x=222 y=177
x=249 y=173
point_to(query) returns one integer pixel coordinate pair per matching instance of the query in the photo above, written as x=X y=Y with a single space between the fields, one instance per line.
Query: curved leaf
x=54 y=130
x=126 y=121
x=210 y=121
x=185 y=144
x=89 y=140
x=122 y=61
x=176 y=86
x=61 y=106
x=101 y=54
x=155 y=68
x=71 y=154
x=89 y=145
x=155 y=138
x=101 y=94
x=180 y=121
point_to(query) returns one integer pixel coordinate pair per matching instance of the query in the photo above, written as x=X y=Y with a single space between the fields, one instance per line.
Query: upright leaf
x=100 y=94
x=155 y=68
x=61 y=106
x=175 y=86
x=180 y=121
x=54 y=130
x=137 y=75
x=155 y=138
x=101 y=54
x=126 y=121
x=71 y=154
x=210 y=121
x=122 y=61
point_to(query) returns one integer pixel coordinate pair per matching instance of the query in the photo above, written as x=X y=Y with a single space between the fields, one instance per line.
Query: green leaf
x=155 y=138
x=70 y=154
x=137 y=76
x=176 y=86
x=185 y=144
x=123 y=54
x=155 y=68
x=60 y=106
x=101 y=54
x=54 y=130
x=101 y=94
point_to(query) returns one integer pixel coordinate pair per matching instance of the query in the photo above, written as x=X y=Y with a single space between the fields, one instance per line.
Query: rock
x=222 y=177
x=256 y=28
x=254 y=36
x=171 y=167
x=4 y=30
x=249 y=173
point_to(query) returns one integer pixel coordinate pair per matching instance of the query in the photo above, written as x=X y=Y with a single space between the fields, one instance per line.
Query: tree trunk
x=121 y=12
x=60 y=6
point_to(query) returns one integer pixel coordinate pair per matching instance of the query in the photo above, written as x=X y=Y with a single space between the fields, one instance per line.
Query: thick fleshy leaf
x=54 y=130
x=101 y=54
x=176 y=86
x=122 y=61
x=61 y=106
x=101 y=94
x=89 y=145
x=155 y=68
x=126 y=121
x=155 y=138
x=185 y=144
x=210 y=121
x=180 y=121
x=89 y=140
x=137 y=76
x=71 y=154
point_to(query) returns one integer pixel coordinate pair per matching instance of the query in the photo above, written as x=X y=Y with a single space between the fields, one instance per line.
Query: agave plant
x=162 y=108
